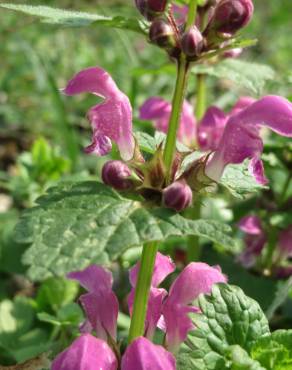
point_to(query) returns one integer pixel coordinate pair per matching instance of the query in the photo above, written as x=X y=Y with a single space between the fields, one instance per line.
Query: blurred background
x=42 y=133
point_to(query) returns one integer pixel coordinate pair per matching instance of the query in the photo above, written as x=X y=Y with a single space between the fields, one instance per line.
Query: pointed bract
x=111 y=119
x=141 y=354
x=86 y=353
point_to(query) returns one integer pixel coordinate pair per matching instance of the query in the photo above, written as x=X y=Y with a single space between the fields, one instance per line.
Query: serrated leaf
x=239 y=181
x=228 y=318
x=82 y=223
x=251 y=76
x=78 y=19
x=274 y=352
x=281 y=294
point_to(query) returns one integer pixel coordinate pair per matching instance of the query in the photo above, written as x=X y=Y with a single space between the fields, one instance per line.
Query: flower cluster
x=167 y=310
x=256 y=238
x=230 y=138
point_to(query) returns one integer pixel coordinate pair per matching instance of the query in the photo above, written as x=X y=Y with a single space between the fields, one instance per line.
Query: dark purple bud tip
x=162 y=34
x=192 y=42
x=116 y=174
x=151 y=9
x=232 y=15
x=178 y=196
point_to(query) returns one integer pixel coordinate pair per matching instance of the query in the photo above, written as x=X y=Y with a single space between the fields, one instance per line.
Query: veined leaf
x=78 y=19
x=239 y=181
x=229 y=318
x=274 y=352
x=82 y=223
x=251 y=76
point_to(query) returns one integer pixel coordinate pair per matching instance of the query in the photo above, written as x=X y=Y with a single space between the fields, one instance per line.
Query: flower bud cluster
x=149 y=180
x=224 y=19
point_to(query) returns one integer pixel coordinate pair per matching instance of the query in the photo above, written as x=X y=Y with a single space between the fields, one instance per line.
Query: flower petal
x=251 y=225
x=242 y=103
x=102 y=313
x=177 y=323
x=241 y=137
x=154 y=309
x=94 y=278
x=110 y=120
x=195 y=279
x=100 y=305
x=144 y=355
x=211 y=128
x=162 y=268
x=159 y=110
x=256 y=168
x=86 y=353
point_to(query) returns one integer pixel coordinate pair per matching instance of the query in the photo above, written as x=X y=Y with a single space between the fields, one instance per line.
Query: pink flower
x=241 y=138
x=197 y=278
x=158 y=110
x=111 y=119
x=162 y=268
x=255 y=240
x=86 y=353
x=100 y=303
x=101 y=308
x=90 y=353
x=144 y=355
x=171 y=312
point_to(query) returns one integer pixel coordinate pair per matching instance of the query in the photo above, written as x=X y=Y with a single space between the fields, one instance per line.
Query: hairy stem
x=137 y=326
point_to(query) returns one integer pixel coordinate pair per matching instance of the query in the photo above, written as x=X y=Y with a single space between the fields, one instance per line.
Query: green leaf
x=239 y=181
x=18 y=337
x=251 y=76
x=55 y=293
x=78 y=19
x=71 y=314
x=240 y=359
x=77 y=224
x=228 y=318
x=274 y=352
x=281 y=294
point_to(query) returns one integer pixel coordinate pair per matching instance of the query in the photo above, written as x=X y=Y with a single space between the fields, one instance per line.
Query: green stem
x=192 y=14
x=285 y=189
x=137 y=326
x=201 y=96
x=177 y=103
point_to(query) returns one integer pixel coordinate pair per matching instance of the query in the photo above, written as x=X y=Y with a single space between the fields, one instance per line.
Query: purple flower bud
x=151 y=9
x=178 y=196
x=285 y=242
x=232 y=15
x=192 y=42
x=116 y=174
x=162 y=34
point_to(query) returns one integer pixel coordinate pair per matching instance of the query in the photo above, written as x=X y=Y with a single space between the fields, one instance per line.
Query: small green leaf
x=274 y=352
x=78 y=19
x=240 y=359
x=228 y=318
x=251 y=76
x=239 y=181
x=55 y=293
x=82 y=223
